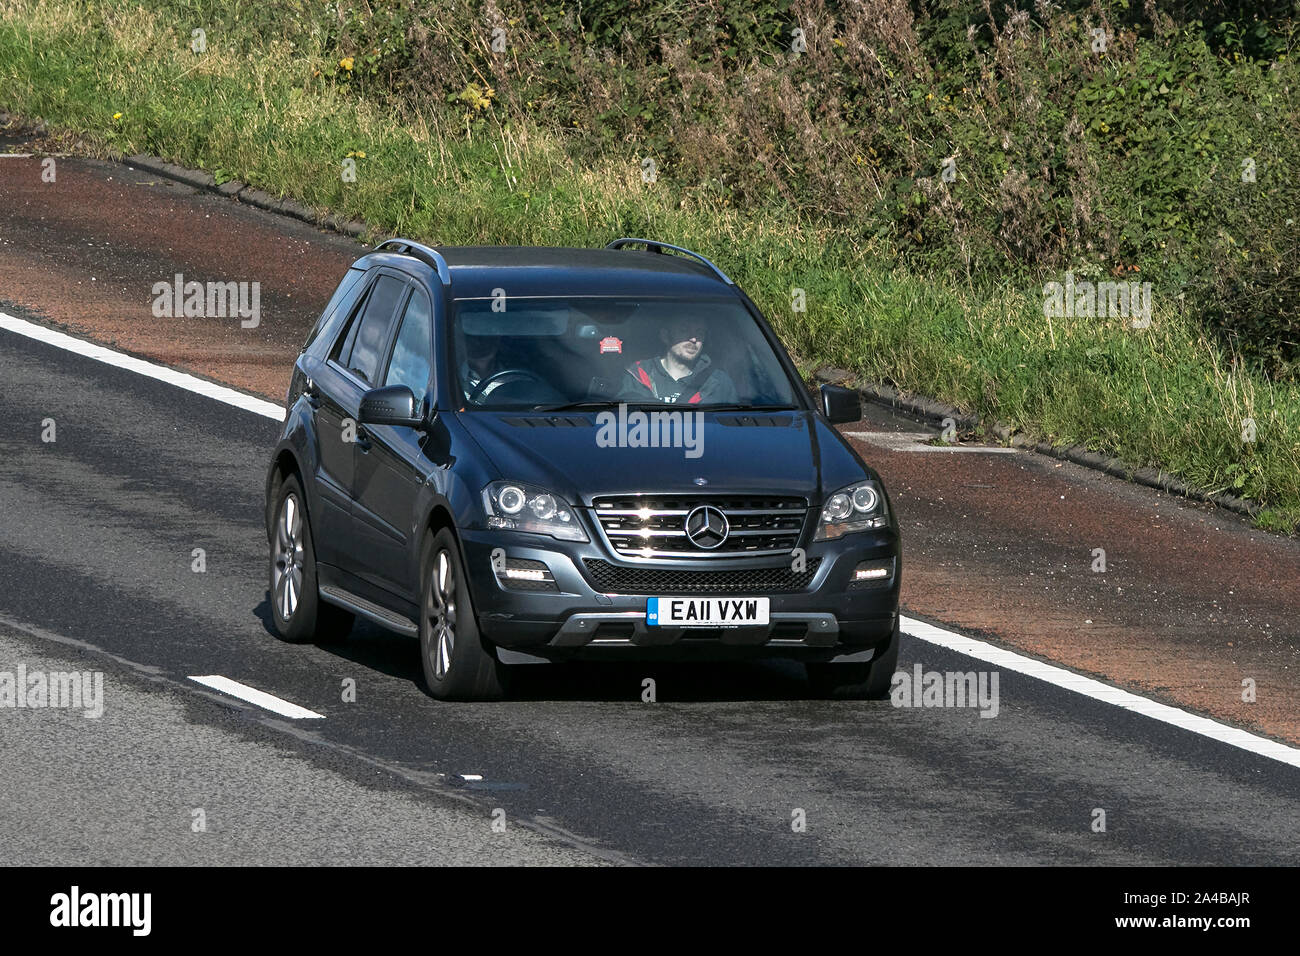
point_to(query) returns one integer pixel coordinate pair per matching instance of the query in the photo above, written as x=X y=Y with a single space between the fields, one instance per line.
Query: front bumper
x=826 y=619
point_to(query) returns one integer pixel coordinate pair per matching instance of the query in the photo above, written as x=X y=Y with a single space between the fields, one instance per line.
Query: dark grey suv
x=524 y=455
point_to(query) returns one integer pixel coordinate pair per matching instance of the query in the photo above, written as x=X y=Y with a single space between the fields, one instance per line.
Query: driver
x=683 y=373
x=480 y=361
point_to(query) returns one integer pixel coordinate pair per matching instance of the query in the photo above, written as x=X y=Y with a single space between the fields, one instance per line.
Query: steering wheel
x=501 y=378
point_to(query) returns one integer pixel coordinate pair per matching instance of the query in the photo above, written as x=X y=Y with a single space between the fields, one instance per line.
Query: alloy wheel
x=288 y=557
x=440 y=608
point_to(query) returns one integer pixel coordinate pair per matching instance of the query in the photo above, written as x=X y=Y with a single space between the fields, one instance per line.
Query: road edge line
x=1100 y=691
x=161 y=373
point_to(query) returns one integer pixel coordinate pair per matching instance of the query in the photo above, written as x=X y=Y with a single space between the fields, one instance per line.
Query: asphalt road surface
x=98 y=531
x=1191 y=601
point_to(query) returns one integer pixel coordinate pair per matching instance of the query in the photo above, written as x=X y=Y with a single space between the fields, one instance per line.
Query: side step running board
x=369 y=610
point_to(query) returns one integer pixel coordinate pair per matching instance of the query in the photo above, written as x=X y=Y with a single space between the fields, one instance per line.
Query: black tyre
x=300 y=615
x=458 y=664
x=868 y=681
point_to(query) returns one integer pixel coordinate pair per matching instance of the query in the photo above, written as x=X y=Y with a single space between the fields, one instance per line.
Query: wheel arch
x=440 y=517
x=284 y=465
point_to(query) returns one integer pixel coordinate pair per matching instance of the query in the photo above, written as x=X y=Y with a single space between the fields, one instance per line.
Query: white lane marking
x=918 y=441
x=258 y=697
x=1095 y=689
x=15 y=155
x=258 y=406
x=471 y=776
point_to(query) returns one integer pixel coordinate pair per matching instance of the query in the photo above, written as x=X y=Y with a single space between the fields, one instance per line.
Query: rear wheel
x=300 y=615
x=869 y=681
x=458 y=664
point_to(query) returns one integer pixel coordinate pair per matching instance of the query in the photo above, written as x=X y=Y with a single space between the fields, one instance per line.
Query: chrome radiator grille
x=688 y=526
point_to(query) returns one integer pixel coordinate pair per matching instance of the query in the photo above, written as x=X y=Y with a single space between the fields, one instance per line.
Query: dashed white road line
x=254 y=696
x=1068 y=680
x=161 y=373
x=907 y=441
x=919 y=441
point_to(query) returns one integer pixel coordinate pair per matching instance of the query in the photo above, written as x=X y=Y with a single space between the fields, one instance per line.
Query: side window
x=413 y=352
x=339 y=304
x=343 y=347
x=370 y=335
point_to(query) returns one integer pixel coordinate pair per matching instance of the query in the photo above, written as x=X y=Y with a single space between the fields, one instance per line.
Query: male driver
x=480 y=361
x=682 y=374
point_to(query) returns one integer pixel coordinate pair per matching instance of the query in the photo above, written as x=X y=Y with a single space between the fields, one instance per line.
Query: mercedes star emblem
x=707 y=527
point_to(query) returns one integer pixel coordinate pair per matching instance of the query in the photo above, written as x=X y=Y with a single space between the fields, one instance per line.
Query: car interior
x=578 y=351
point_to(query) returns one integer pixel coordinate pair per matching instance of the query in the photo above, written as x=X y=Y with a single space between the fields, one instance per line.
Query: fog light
x=521 y=574
x=872 y=573
x=525 y=574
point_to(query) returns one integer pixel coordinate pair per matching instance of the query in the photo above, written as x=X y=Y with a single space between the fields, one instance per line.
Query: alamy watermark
x=638 y=429
x=1121 y=300
x=70 y=690
x=947 y=689
x=208 y=300
x=133 y=911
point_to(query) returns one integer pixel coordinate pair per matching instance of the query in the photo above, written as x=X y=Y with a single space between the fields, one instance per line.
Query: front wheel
x=299 y=613
x=869 y=681
x=458 y=665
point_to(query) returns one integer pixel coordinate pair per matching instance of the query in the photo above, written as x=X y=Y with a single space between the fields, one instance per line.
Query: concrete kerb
x=244 y=193
x=934 y=413
x=199 y=179
x=917 y=406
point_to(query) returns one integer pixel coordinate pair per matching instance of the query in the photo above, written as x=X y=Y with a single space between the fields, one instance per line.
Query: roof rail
x=654 y=245
x=424 y=253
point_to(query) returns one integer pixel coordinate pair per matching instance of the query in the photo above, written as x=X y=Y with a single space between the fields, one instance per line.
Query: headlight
x=859 y=507
x=515 y=506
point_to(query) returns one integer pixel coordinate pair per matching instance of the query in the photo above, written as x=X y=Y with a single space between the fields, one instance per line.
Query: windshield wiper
x=735 y=407
x=685 y=406
x=573 y=406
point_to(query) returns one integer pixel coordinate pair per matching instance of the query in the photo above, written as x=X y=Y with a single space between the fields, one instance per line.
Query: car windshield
x=555 y=353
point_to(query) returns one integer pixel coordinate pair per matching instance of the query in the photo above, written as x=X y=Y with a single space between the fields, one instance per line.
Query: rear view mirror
x=841 y=405
x=393 y=405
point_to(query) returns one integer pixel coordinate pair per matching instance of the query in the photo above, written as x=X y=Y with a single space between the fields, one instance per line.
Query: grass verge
x=124 y=79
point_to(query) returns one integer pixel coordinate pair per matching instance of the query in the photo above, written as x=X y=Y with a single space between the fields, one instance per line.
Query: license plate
x=706 y=612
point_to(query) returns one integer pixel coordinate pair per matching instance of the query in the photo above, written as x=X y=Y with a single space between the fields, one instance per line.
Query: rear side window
x=370 y=332
x=339 y=305
x=413 y=351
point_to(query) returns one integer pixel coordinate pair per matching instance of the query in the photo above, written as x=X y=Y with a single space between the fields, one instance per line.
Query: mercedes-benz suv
x=524 y=455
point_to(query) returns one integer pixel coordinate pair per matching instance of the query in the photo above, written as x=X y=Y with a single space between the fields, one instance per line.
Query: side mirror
x=841 y=405
x=393 y=405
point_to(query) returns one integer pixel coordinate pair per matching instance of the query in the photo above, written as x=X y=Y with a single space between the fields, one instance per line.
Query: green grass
x=283 y=117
